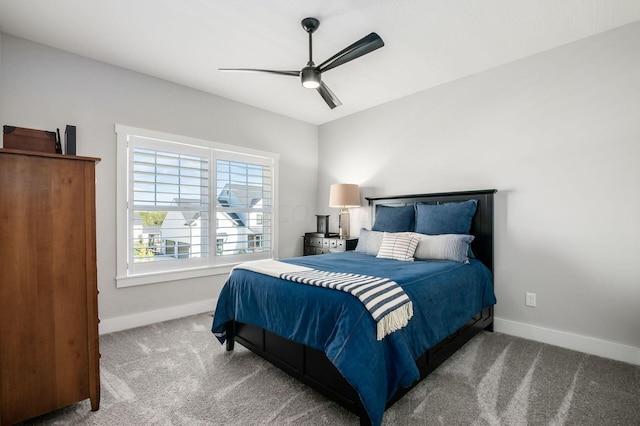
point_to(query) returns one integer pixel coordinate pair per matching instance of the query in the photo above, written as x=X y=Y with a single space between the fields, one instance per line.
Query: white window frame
x=213 y=265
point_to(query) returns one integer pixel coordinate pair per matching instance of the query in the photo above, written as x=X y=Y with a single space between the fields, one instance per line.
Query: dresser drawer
x=322 y=245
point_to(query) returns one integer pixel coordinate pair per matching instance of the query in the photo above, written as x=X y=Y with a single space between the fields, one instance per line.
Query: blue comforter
x=445 y=296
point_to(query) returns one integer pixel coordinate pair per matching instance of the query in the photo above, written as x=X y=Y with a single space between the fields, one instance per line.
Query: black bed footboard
x=312 y=366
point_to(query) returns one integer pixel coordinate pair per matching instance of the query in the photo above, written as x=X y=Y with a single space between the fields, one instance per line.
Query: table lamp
x=343 y=196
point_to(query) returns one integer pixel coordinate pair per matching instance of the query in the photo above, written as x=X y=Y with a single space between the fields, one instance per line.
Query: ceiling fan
x=311 y=75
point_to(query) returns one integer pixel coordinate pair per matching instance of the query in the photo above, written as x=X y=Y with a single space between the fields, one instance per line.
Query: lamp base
x=343 y=223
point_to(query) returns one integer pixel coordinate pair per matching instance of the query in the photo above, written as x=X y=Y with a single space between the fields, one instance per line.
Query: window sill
x=160 y=277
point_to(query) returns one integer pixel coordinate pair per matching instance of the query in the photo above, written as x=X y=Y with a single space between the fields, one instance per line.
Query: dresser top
x=48 y=155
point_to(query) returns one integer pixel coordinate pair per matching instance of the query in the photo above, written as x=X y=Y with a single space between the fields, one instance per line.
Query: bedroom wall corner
x=46 y=88
x=557 y=134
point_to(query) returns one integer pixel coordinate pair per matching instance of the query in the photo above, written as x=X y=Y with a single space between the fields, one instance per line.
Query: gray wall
x=558 y=134
x=45 y=88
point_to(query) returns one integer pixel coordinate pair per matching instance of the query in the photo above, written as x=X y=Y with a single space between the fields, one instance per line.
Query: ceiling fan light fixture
x=310 y=77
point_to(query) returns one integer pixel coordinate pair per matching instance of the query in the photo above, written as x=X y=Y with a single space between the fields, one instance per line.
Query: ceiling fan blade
x=361 y=47
x=293 y=73
x=329 y=97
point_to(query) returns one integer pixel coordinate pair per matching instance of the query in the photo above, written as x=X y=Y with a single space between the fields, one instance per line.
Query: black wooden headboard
x=481 y=226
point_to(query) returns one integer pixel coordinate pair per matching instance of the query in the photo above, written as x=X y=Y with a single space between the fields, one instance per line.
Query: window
x=187 y=207
x=255 y=242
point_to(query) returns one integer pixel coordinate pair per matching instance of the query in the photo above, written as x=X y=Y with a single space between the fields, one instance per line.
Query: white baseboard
x=563 y=339
x=151 y=317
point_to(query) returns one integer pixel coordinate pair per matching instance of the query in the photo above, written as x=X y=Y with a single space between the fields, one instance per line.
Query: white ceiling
x=427 y=42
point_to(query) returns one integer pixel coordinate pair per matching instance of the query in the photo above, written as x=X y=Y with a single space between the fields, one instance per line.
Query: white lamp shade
x=344 y=195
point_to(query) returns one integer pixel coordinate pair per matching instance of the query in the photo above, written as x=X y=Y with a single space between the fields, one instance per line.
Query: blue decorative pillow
x=447 y=218
x=394 y=219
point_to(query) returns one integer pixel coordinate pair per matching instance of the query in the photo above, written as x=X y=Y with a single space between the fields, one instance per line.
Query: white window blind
x=244 y=194
x=170 y=200
x=192 y=206
x=169 y=205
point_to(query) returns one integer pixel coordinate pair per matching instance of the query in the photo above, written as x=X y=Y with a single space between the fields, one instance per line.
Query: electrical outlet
x=530 y=299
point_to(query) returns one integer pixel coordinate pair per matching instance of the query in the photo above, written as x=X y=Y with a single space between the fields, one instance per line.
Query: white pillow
x=444 y=247
x=398 y=246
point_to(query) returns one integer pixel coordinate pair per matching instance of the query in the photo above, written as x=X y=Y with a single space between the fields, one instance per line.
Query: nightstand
x=314 y=244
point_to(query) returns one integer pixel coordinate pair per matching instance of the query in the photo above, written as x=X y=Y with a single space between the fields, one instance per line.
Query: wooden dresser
x=49 y=355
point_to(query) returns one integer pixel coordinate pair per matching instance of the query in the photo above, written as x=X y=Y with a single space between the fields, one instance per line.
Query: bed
x=331 y=341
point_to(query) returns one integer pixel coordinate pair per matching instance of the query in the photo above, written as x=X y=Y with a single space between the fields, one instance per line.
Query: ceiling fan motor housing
x=310 y=24
x=310 y=77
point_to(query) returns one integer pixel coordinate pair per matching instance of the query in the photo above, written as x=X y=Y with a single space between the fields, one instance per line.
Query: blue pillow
x=447 y=218
x=394 y=219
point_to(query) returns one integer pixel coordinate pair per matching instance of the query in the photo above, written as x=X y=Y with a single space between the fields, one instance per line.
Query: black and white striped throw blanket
x=385 y=300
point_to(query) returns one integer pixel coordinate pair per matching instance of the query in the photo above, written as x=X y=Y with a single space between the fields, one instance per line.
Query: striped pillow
x=398 y=246
x=444 y=247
